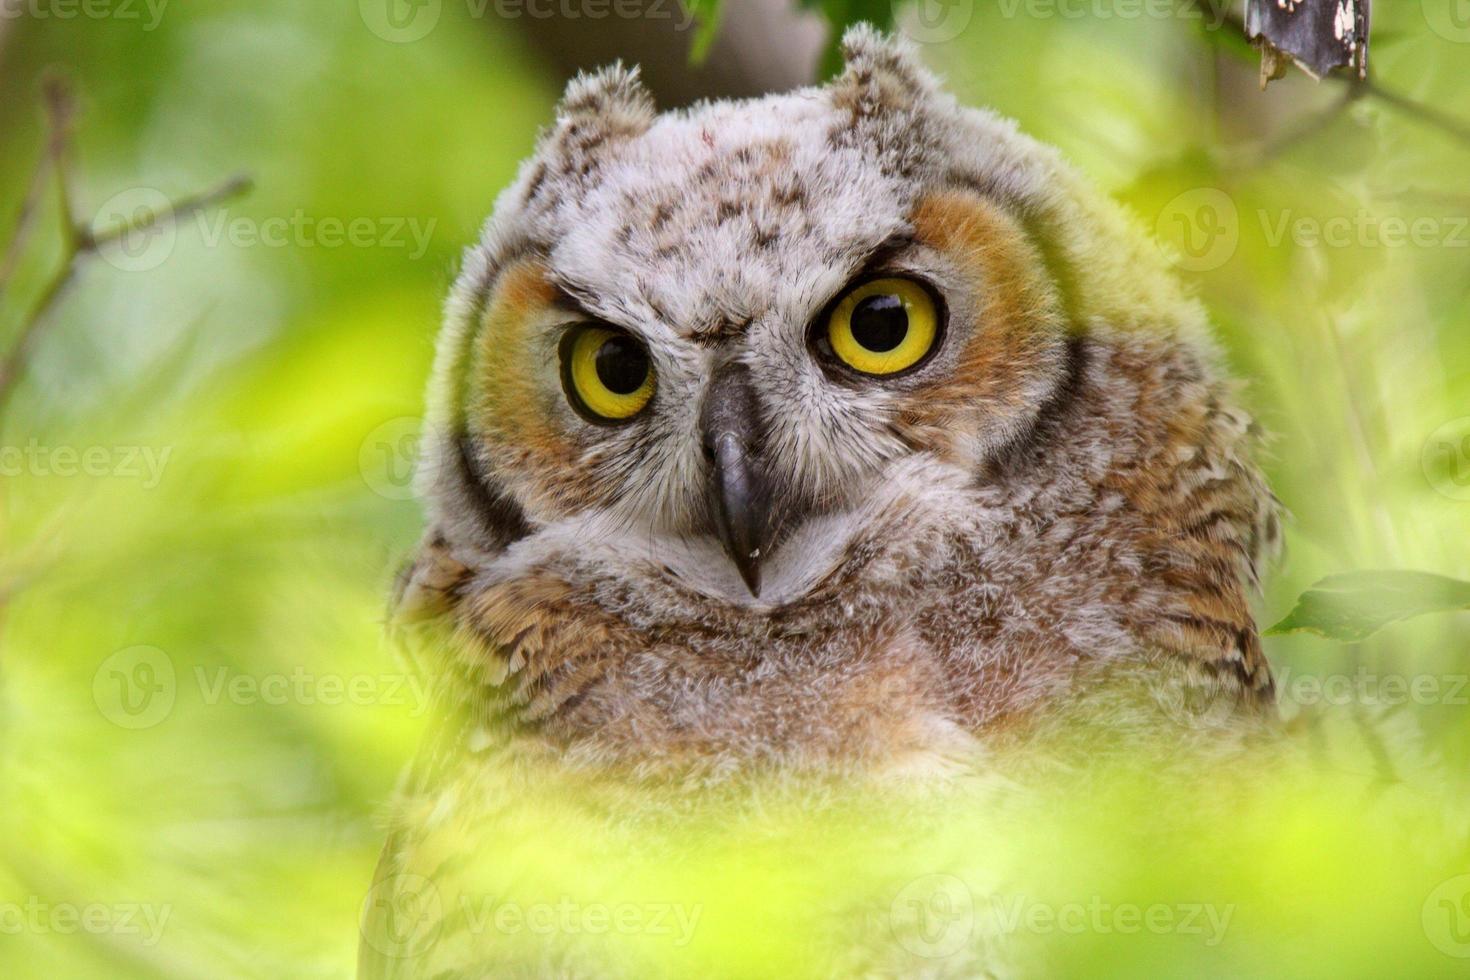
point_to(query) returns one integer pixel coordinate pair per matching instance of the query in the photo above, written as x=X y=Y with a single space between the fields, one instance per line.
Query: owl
x=846 y=432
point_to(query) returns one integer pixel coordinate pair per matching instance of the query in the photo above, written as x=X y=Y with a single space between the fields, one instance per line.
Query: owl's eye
x=606 y=373
x=882 y=327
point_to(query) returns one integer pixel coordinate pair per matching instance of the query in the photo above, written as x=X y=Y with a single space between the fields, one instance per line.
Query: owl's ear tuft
x=610 y=103
x=881 y=74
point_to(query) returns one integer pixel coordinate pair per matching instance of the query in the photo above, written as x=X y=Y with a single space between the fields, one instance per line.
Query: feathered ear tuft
x=604 y=107
x=882 y=73
x=610 y=102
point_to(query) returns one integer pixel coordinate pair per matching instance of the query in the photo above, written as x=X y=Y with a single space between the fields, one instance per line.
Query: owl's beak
x=741 y=495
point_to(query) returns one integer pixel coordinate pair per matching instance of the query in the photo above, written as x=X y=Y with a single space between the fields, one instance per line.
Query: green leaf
x=707 y=12
x=1355 y=605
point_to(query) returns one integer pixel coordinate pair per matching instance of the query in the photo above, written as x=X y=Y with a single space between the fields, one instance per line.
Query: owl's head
x=724 y=343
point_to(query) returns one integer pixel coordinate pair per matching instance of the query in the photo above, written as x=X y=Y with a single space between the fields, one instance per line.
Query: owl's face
x=719 y=343
x=834 y=425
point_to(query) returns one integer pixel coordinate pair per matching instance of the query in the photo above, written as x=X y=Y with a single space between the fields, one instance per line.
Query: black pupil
x=879 y=322
x=622 y=365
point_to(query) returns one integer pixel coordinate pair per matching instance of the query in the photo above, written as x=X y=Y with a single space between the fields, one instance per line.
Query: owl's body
x=777 y=562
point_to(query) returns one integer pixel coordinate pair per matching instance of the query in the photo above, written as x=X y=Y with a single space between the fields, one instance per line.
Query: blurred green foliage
x=200 y=714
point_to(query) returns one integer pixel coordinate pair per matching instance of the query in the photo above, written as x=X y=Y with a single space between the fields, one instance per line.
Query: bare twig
x=1268 y=150
x=60 y=110
x=175 y=211
x=79 y=240
x=1443 y=121
x=15 y=359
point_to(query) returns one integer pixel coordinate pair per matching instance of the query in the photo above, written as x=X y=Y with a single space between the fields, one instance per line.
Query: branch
x=79 y=240
x=1443 y=121
x=175 y=212
x=1302 y=132
x=60 y=109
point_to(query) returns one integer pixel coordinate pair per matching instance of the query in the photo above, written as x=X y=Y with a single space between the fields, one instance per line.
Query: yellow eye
x=883 y=326
x=606 y=373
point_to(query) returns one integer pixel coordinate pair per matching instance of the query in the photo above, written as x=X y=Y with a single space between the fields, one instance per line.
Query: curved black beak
x=741 y=499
